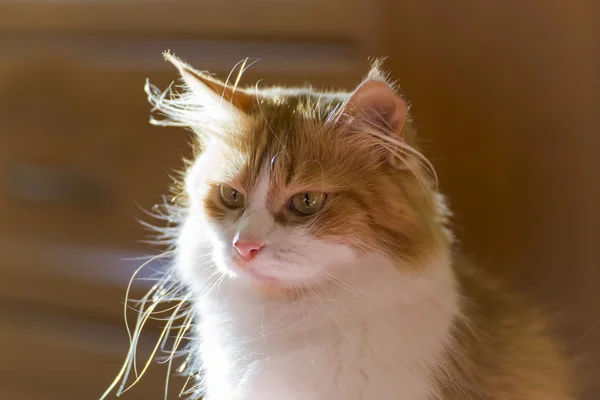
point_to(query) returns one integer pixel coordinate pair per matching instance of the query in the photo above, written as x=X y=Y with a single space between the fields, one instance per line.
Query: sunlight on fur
x=311 y=257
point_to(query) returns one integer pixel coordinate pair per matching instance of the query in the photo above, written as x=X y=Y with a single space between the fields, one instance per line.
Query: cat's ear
x=376 y=102
x=212 y=94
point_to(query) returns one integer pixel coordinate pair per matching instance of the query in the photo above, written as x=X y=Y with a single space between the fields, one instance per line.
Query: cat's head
x=293 y=186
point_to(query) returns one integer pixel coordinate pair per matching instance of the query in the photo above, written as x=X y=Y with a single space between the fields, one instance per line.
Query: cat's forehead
x=285 y=141
x=296 y=143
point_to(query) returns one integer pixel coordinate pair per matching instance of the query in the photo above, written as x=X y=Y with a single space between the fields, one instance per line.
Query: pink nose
x=247 y=248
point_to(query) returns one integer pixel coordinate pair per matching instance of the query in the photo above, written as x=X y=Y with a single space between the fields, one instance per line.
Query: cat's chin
x=251 y=275
x=262 y=279
x=262 y=272
x=265 y=286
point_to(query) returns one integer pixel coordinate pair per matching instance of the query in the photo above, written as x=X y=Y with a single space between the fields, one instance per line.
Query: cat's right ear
x=215 y=97
x=376 y=101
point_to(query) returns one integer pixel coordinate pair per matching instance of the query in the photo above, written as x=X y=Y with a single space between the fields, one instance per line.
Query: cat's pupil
x=307 y=200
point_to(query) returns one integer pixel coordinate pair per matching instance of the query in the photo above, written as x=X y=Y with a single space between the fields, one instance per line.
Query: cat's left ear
x=212 y=94
x=377 y=103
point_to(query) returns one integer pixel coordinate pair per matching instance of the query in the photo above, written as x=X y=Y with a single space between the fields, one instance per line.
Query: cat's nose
x=248 y=249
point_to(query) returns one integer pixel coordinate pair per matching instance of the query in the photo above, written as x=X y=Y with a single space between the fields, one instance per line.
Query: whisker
x=178 y=339
x=153 y=353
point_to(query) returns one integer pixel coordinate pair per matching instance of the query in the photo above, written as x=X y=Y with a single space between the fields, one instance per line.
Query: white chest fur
x=376 y=335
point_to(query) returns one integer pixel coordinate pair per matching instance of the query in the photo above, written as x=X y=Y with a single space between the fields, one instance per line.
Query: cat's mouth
x=252 y=272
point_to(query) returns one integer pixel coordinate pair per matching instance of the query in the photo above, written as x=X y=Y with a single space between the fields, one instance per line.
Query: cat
x=318 y=257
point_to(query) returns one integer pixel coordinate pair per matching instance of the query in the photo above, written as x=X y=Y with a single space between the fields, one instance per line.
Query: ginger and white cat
x=316 y=251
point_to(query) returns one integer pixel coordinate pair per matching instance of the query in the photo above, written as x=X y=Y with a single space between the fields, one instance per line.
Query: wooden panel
x=61 y=121
x=330 y=18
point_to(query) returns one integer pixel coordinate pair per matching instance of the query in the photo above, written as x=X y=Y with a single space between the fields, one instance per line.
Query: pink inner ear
x=377 y=98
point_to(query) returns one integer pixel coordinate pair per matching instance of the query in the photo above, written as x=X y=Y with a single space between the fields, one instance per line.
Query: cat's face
x=289 y=200
x=281 y=216
x=259 y=236
x=293 y=190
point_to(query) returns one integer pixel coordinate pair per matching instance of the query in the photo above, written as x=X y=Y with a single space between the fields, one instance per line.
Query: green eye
x=231 y=197
x=308 y=203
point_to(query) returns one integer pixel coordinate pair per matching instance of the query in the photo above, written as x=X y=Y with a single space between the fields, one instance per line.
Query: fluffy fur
x=365 y=299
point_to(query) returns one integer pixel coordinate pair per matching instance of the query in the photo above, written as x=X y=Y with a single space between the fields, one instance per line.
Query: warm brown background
x=505 y=95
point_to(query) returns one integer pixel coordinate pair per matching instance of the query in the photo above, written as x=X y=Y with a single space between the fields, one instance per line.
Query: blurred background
x=505 y=95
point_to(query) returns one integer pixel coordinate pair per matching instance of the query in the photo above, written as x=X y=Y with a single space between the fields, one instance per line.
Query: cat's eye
x=231 y=197
x=308 y=203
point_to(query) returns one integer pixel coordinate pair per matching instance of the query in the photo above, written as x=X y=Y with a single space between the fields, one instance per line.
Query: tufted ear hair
x=213 y=95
